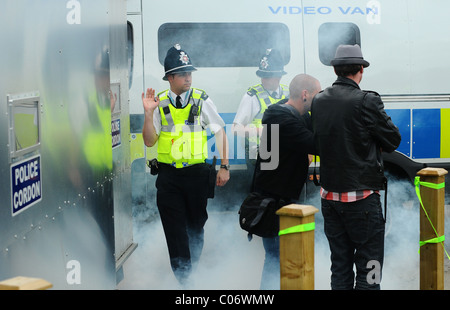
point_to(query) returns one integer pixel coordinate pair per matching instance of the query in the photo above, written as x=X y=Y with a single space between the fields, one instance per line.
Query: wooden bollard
x=24 y=283
x=431 y=248
x=297 y=247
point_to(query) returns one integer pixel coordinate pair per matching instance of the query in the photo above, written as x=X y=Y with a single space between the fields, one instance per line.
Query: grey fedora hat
x=349 y=55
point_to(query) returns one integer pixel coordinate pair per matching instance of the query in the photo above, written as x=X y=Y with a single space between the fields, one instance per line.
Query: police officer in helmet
x=177 y=119
x=247 y=122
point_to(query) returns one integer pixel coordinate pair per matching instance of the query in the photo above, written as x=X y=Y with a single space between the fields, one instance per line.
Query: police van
x=65 y=210
x=402 y=40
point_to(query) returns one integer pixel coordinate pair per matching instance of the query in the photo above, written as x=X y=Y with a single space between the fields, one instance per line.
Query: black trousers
x=182 y=199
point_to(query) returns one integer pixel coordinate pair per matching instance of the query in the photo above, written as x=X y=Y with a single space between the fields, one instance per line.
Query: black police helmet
x=271 y=64
x=177 y=61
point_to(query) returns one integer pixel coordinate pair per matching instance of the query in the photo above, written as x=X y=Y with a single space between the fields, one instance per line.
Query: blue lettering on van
x=323 y=10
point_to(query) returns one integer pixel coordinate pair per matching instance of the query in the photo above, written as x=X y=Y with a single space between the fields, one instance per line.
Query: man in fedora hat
x=247 y=122
x=177 y=119
x=351 y=129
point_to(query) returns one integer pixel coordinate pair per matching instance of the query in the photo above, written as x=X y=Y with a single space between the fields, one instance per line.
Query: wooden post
x=432 y=254
x=297 y=249
x=24 y=283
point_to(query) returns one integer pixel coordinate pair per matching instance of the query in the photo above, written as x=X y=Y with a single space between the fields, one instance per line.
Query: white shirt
x=247 y=111
x=249 y=108
x=209 y=117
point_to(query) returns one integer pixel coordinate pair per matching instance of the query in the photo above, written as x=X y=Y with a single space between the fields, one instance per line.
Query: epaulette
x=162 y=92
x=202 y=93
x=251 y=92
x=204 y=96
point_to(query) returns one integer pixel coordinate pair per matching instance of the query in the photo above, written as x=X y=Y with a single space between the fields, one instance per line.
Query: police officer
x=177 y=118
x=247 y=122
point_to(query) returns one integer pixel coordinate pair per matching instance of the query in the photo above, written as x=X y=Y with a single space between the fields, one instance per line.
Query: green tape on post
x=434 y=240
x=298 y=229
x=438 y=239
x=428 y=184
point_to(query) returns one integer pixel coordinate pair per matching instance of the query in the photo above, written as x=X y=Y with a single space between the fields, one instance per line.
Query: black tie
x=274 y=95
x=178 y=102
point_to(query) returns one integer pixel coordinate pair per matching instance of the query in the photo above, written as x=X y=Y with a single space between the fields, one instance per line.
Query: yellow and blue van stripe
x=425 y=132
x=425 y=135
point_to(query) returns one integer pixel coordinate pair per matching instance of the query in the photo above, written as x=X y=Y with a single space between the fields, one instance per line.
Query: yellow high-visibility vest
x=182 y=143
x=265 y=100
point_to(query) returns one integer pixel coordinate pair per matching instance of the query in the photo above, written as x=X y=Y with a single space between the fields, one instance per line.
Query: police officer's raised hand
x=149 y=100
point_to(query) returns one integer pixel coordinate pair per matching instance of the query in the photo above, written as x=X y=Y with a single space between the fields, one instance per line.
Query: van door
x=136 y=85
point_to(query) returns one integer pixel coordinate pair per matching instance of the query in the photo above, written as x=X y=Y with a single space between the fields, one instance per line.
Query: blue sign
x=26 y=187
x=115 y=132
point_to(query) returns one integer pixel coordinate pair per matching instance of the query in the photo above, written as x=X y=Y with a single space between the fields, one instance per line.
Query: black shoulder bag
x=257 y=216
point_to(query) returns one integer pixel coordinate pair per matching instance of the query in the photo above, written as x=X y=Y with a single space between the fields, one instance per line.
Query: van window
x=130 y=52
x=224 y=44
x=331 y=35
x=24 y=123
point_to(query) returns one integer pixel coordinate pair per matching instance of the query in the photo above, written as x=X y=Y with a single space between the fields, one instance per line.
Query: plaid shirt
x=346 y=197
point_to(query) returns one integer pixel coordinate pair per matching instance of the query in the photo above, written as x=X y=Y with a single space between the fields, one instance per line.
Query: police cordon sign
x=115 y=132
x=26 y=187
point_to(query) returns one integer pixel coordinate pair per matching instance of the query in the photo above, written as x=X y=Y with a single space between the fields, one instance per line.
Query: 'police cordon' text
x=26 y=186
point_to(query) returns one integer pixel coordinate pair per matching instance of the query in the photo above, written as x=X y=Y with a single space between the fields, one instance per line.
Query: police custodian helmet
x=177 y=61
x=271 y=64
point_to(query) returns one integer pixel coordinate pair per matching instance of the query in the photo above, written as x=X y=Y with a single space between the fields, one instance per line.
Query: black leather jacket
x=351 y=128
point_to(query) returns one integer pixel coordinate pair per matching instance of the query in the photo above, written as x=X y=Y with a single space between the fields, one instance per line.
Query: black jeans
x=355 y=233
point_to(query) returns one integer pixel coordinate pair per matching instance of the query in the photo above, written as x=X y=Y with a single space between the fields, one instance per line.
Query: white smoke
x=401 y=259
x=229 y=261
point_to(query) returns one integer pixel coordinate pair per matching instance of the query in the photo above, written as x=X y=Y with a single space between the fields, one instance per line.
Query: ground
x=230 y=261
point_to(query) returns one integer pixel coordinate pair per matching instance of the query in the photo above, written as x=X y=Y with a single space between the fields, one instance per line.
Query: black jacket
x=351 y=128
x=288 y=168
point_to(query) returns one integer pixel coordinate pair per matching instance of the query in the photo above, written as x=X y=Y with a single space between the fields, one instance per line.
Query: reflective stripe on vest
x=181 y=143
x=265 y=100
